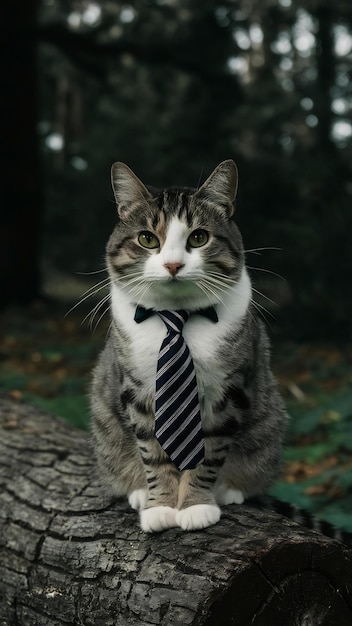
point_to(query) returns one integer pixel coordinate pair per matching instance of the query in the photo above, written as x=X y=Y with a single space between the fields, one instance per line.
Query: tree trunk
x=69 y=555
x=20 y=195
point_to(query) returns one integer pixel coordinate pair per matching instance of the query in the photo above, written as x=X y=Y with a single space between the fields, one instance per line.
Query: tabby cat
x=172 y=249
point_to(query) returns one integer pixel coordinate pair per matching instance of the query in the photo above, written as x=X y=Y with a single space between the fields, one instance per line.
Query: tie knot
x=174 y=320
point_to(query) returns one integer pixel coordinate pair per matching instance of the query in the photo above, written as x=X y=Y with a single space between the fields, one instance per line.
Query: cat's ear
x=128 y=189
x=222 y=184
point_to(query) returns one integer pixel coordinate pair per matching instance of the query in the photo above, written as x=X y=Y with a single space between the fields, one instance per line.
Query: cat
x=172 y=249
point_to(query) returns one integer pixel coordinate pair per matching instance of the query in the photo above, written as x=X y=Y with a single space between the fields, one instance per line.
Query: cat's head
x=175 y=247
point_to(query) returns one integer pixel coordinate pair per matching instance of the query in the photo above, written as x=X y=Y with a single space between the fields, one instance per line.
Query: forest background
x=173 y=87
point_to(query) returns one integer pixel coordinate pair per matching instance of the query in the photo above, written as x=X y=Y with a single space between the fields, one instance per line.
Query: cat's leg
x=159 y=510
x=197 y=504
x=157 y=503
x=120 y=465
x=153 y=518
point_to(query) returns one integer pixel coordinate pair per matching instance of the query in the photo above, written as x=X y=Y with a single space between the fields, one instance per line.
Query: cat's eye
x=198 y=238
x=148 y=240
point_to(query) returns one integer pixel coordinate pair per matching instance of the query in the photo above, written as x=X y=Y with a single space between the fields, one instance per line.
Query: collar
x=142 y=314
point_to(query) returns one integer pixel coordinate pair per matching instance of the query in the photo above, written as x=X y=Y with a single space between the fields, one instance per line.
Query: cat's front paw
x=138 y=499
x=198 y=516
x=158 y=518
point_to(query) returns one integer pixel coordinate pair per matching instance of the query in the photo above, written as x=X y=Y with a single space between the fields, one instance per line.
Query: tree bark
x=70 y=555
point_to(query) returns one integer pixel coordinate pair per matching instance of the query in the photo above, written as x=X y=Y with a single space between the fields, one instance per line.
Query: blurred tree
x=20 y=195
x=174 y=86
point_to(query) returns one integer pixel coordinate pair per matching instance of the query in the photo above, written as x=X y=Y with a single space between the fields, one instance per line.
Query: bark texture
x=69 y=555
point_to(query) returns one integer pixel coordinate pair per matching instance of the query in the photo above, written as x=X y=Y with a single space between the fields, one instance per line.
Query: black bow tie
x=142 y=314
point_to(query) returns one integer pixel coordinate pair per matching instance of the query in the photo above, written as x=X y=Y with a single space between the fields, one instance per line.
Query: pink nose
x=173 y=267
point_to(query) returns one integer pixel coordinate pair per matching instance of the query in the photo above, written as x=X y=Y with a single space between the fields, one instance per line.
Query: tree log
x=71 y=555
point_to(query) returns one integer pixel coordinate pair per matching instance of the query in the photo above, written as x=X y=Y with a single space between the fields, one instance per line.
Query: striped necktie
x=178 y=426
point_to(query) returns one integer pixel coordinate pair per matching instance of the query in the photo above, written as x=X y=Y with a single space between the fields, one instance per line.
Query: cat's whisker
x=218 y=284
x=92 y=291
x=136 y=290
x=216 y=289
x=138 y=279
x=129 y=274
x=134 y=280
x=101 y=317
x=130 y=278
x=91 y=273
x=92 y=314
x=204 y=290
x=103 y=282
x=261 y=269
x=219 y=275
x=260 y=313
x=97 y=287
x=209 y=291
x=224 y=284
x=264 y=296
x=141 y=289
x=221 y=278
x=262 y=310
x=208 y=286
x=259 y=250
x=108 y=330
x=224 y=280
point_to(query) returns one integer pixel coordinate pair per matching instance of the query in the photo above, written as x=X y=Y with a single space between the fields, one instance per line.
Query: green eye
x=148 y=240
x=198 y=238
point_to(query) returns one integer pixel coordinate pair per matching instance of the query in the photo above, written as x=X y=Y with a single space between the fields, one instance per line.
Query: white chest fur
x=203 y=338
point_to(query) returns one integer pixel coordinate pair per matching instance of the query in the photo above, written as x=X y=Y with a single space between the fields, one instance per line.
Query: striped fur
x=243 y=417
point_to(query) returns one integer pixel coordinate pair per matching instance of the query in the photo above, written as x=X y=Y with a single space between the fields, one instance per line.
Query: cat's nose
x=173 y=267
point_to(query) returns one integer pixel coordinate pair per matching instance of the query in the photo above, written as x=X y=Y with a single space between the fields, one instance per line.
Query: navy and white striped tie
x=178 y=426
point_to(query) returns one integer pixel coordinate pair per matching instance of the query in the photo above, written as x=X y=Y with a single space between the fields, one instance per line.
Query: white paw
x=198 y=516
x=158 y=518
x=225 y=496
x=138 y=499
